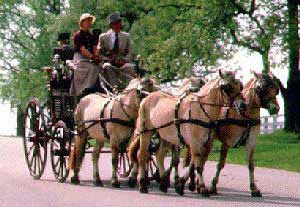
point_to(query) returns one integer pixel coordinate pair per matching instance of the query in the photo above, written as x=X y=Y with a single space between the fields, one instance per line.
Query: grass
x=279 y=150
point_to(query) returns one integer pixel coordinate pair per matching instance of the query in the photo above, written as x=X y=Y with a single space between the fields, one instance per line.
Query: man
x=65 y=51
x=114 y=53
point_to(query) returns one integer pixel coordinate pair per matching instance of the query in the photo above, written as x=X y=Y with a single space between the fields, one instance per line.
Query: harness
x=104 y=120
x=211 y=125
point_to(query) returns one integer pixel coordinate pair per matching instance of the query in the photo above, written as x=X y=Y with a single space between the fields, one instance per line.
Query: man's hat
x=86 y=16
x=114 y=17
x=63 y=36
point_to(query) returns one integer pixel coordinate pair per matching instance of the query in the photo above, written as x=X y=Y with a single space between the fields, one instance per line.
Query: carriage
x=52 y=121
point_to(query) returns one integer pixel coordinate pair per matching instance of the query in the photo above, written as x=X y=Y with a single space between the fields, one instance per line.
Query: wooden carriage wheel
x=60 y=148
x=152 y=169
x=34 y=139
x=124 y=165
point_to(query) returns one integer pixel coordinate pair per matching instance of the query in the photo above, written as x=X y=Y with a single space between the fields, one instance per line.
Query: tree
x=25 y=50
x=290 y=93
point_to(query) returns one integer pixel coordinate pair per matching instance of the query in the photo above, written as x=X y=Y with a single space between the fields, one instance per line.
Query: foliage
x=25 y=50
x=171 y=35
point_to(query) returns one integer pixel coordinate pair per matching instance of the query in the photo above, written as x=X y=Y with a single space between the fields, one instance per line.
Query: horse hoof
x=179 y=187
x=75 y=180
x=132 y=182
x=164 y=184
x=192 y=187
x=213 y=191
x=98 y=183
x=116 y=184
x=204 y=192
x=156 y=176
x=143 y=190
x=163 y=188
x=256 y=193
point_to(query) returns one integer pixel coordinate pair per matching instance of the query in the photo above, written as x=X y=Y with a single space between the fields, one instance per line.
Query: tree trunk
x=265 y=60
x=292 y=99
x=20 y=121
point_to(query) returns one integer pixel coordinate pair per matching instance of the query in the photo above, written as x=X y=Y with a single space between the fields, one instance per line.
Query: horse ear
x=221 y=74
x=271 y=75
x=255 y=74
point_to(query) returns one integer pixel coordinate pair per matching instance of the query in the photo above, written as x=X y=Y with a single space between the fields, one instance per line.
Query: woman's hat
x=86 y=16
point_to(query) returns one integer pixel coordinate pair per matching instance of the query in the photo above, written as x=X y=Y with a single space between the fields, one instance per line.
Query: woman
x=86 y=72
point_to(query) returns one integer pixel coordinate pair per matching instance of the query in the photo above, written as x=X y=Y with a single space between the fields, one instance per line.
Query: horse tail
x=186 y=156
x=78 y=152
x=133 y=149
x=135 y=144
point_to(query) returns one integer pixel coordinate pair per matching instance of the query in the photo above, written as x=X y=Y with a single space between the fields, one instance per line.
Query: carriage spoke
x=65 y=163
x=56 y=163
x=61 y=166
x=30 y=149
x=58 y=171
x=38 y=163
x=124 y=163
x=34 y=166
x=31 y=161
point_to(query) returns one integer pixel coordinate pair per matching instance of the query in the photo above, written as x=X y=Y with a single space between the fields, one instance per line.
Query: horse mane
x=211 y=85
x=250 y=84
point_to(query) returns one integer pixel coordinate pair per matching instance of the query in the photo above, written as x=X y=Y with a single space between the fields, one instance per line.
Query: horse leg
x=79 y=152
x=192 y=183
x=160 y=157
x=95 y=158
x=115 y=160
x=133 y=151
x=255 y=192
x=133 y=175
x=143 y=157
x=220 y=166
x=199 y=162
x=175 y=161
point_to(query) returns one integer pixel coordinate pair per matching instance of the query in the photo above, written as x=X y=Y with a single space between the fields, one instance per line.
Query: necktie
x=116 y=43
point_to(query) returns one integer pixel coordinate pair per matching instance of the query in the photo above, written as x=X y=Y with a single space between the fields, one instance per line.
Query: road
x=279 y=188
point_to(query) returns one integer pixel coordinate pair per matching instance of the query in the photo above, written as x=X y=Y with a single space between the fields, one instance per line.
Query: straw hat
x=86 y=16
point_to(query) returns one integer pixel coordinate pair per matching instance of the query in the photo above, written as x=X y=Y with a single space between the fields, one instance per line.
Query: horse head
x=267 y=89
x=232 y=88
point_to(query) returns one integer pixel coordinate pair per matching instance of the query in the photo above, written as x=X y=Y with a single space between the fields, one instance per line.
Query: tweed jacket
x=105 y=46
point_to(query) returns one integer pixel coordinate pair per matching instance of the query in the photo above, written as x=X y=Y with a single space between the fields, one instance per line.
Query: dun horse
x=259 y=92
x=106 y=119
x=187 y=120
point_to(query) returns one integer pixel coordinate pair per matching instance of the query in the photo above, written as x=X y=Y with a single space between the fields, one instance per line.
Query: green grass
x=279 y=150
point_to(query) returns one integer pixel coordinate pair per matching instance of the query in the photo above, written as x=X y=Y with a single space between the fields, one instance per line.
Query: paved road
x=17 y=188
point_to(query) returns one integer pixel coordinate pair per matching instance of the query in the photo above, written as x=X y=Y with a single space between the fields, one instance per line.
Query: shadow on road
x=225 y=194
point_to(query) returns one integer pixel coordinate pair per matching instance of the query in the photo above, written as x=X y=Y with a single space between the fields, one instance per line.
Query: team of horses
x=221 y=109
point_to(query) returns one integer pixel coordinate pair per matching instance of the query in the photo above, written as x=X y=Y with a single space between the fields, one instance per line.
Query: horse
x=106 y=119
x=181 y=120
x=259 y=92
